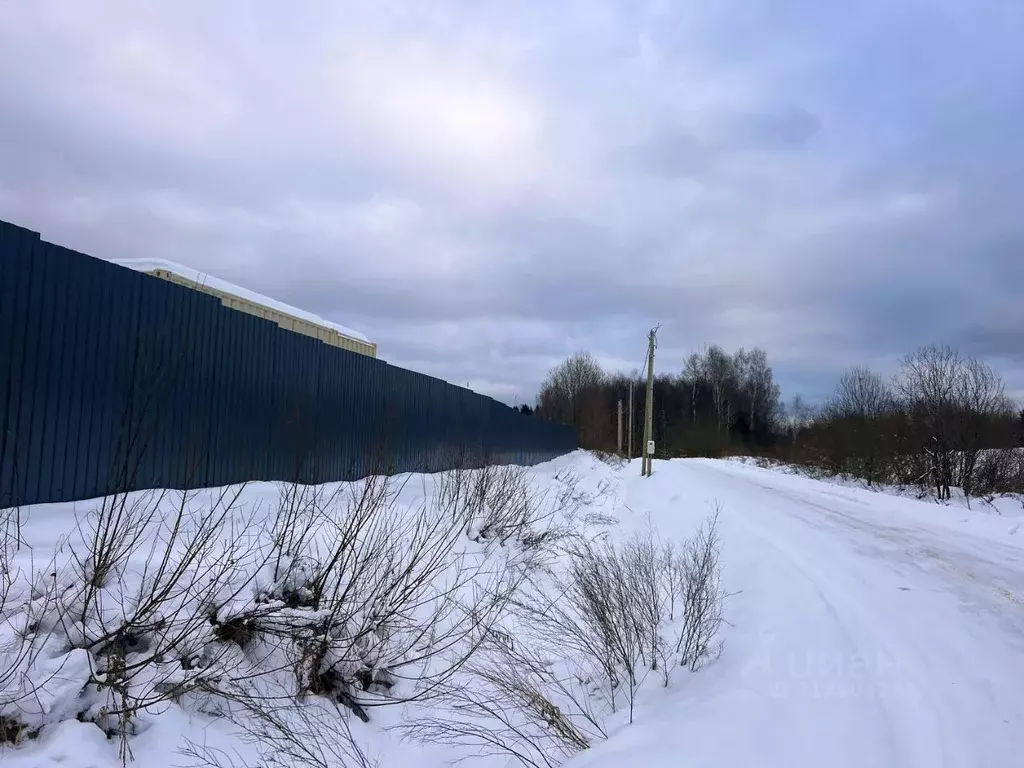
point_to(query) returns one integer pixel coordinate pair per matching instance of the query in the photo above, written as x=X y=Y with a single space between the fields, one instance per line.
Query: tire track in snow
x=914 y=737
x=958 y=693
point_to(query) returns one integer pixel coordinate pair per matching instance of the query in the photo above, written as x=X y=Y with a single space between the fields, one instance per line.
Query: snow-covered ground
x=862 y=629
x=871 y=630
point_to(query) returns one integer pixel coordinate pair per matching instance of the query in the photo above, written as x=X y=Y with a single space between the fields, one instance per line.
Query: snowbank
x=996 y=517
x=860 y=628
x=407 y=620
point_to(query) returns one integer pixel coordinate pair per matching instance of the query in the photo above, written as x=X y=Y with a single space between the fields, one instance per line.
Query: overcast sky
x=485 y=187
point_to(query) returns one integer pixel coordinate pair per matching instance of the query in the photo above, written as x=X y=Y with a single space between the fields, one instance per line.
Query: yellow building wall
x=283 y=319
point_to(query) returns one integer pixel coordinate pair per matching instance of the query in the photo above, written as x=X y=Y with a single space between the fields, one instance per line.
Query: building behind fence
x=113 y=380
x=261 y=306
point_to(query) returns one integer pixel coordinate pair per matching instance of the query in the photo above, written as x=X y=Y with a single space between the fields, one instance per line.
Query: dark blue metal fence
x=113 y=380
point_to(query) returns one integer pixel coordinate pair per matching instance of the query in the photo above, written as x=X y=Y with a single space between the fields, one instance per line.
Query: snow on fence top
x=223 y=286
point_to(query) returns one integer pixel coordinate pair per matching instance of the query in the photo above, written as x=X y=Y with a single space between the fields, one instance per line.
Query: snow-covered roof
x=202 y=278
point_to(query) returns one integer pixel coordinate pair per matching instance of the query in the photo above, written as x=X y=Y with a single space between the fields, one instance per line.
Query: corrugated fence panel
x=330 y=389
x=62 y=391
x=261 y=344
x=234 y=415
x=113 y=380
x=9 y=239
x=85 y=383
x=222 y=460
x=177 y=328
x=247 y=398
x=353 y=393
x=125 y=440
x=15 y=270
x=28 y=420
x=151 y=393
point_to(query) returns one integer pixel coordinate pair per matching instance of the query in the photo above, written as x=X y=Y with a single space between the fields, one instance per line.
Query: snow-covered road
x=869 y=630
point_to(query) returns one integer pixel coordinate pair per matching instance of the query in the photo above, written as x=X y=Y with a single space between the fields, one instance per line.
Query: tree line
x=942 y=422
x=718 y=403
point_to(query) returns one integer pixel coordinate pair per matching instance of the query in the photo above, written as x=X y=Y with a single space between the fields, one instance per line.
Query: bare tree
x=980 y=400
x=927 y=384
x=950 y=401
x=694 y=375
x=717 y=404
x=721 y=375
x=799 y=414
x=571 y=394
x=863 y=393
x=858 y=411
x=758 y=386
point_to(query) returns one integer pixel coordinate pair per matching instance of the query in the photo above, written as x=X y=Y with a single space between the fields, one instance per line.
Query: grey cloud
x=678 y=152
x=1003 y=343
x=672 y=153
x=784 y=129
x=837 y=185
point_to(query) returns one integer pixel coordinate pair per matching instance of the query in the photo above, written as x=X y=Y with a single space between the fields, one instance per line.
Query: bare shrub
x=21 y=647
x=650 y=590
x=284 y=732
x=502 y=503
x=1000 y=472
x=611 y=459
x=349 y=598
x=609 y=615
x=702 y=594
x=580 y=509
x=135 y=599
x=511 y=702
x=388 y=612
x=383 y=606
x=507 y=508
x=625 y=610
x=345 y=599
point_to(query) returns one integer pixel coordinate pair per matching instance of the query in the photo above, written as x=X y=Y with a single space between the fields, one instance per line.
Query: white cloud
x=436 y=112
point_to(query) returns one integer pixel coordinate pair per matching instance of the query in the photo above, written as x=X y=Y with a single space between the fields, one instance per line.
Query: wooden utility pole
x=629 y=432
x=620 y=427
x=648 y=458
